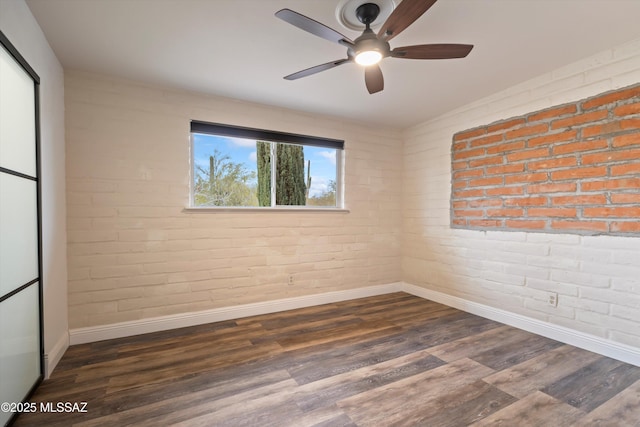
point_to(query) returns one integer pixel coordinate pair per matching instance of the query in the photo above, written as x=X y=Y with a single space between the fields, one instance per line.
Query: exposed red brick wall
x=574 y=168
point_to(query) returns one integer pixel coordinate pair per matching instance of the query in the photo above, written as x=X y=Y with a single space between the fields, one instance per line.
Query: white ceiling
x=239 y=49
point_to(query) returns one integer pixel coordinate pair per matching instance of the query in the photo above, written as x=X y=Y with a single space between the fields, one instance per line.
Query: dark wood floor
x=388 y=360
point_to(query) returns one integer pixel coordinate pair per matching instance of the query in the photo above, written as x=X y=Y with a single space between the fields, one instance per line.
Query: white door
x=20 y=287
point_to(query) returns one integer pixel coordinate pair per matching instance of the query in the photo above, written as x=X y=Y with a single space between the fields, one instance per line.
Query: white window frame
x=217 y=129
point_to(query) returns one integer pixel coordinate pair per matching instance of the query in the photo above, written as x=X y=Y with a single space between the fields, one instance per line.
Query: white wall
x=135 y=254
x=597 y=278
x=20 y=27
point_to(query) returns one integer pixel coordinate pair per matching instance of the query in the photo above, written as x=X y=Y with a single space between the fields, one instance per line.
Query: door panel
x=21 y=351
x=17 y=118
x=19 y=231
x=19 y=344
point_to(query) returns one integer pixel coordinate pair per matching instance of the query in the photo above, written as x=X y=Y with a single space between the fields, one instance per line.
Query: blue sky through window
x=240 y=150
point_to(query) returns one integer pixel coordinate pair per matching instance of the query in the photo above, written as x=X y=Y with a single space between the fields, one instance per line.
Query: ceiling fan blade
x=432 y=51
x=373 y=78
x=311 y=26
x=316 y=69
x=402 y=16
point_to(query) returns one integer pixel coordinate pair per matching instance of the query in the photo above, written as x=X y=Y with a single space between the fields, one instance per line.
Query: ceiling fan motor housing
x=368 y=41
x=367 y=13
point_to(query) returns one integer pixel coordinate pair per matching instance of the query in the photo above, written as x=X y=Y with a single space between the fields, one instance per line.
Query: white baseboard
x=579 y=339
x=582 y=340
x=52 y=357
x=163 y=323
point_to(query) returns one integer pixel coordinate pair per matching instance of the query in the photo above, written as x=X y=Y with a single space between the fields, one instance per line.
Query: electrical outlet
x=290 y=280
x=552 y=299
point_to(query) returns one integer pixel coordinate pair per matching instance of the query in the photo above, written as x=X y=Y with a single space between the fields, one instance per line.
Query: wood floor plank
x=340 y=386
x=541 y=371
x=535 y=410
x=333 y=361
x=166 y=353
x=134 y=364
x=337 y=333
x=192 y=405
x=263 y=406
x=517 y=350
x=309 y=318
x=192 y=365
x=420 y=315
x=363 y=305
x=381 y=405
x=320 y=418
x=66 y=387
x=403 y=310
x=461 y=406
x=450 y=327
x=392 y=359
x=309 y=327
x=594 y=384
x=166 y=342
x=621 y=410
x=218 y=385
x=477 y=343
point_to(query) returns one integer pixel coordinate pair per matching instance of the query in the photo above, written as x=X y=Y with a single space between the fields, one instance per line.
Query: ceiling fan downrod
x=367 y=13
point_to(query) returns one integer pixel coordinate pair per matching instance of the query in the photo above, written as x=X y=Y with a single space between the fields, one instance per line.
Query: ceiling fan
x=369 y=49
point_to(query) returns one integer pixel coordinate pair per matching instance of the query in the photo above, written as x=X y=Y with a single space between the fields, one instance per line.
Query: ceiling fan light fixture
x=368 y=49
x=368 y=57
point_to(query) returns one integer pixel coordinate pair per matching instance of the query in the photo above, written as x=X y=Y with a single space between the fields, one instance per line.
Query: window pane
x=323 y=179
x=236 y=167
x=224 y=171
x=291 y=189
x=263 y=150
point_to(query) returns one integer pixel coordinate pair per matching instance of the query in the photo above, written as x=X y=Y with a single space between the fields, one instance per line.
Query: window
x=235 y=166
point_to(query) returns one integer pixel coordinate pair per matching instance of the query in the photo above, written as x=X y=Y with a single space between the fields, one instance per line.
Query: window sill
x=266 y=209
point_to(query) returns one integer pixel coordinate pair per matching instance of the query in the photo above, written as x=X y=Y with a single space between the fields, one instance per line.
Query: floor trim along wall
x=125 y=329
x=579 y=339
x=52 y=357
x=582 y=340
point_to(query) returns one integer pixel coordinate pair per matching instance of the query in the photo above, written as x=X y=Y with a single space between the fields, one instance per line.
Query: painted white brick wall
x=597 y=278
x=134 y=253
